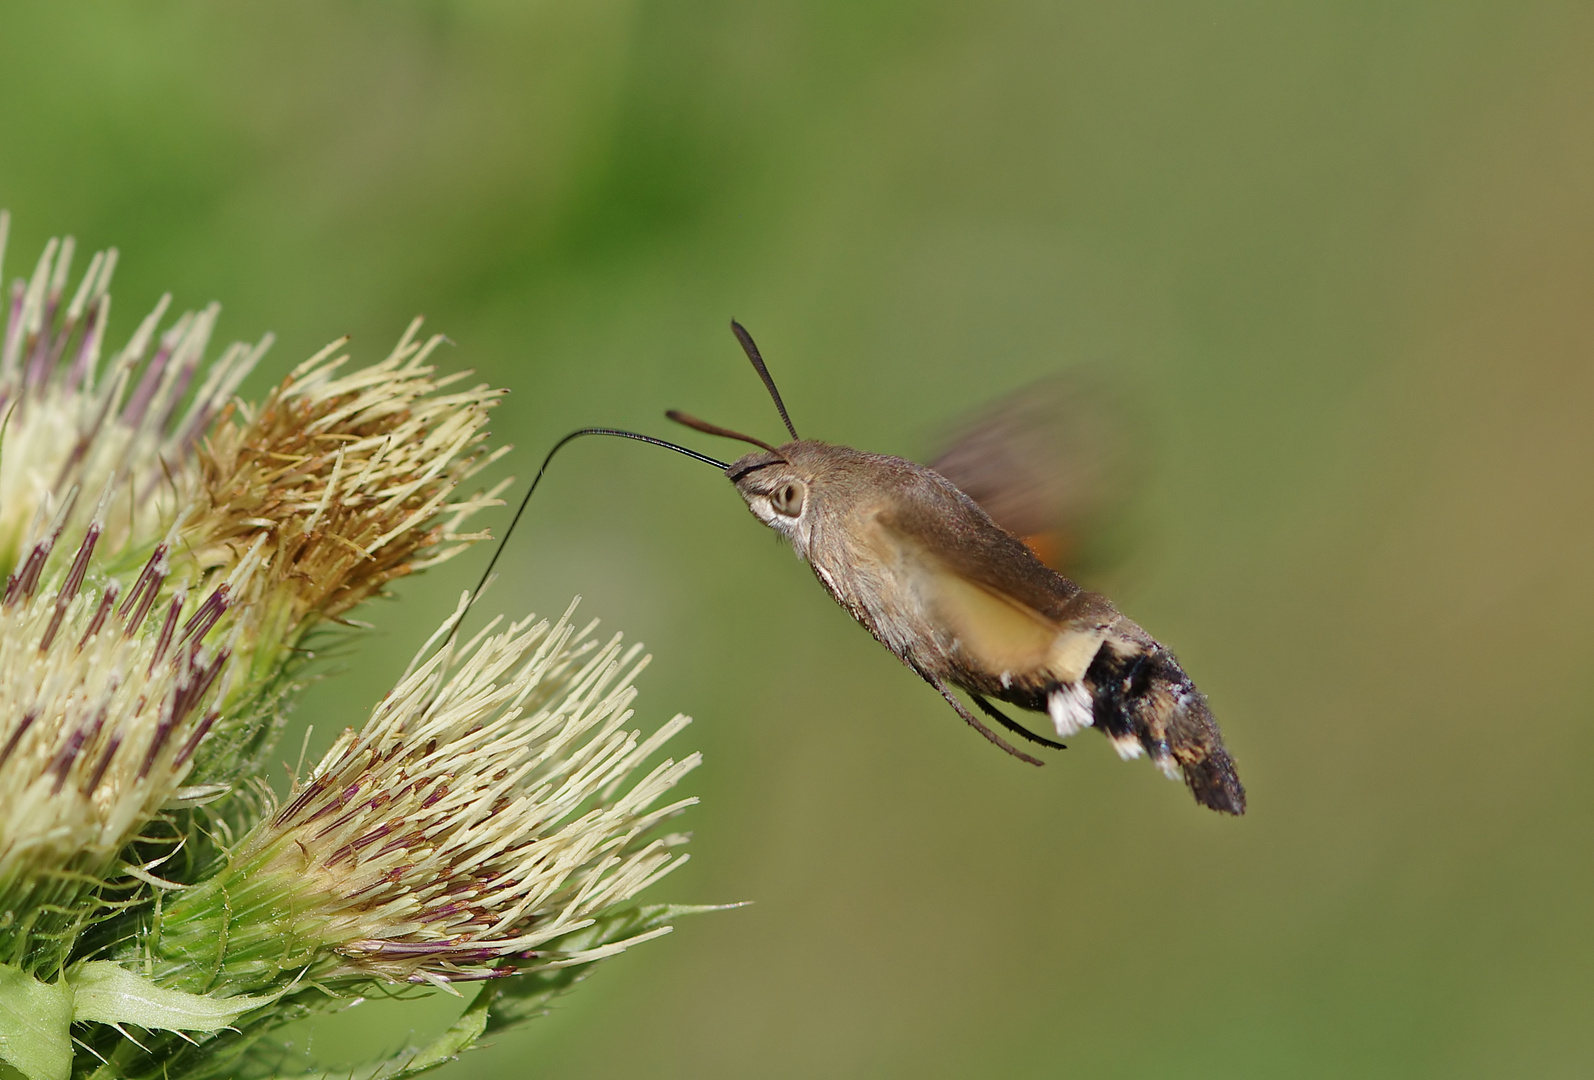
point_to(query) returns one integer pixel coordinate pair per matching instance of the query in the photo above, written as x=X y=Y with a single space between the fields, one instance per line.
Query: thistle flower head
x=484 y=812
x=170 y=548
x=166 y=551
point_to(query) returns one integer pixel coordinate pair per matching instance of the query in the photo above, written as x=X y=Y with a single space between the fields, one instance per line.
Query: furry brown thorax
x=963 y=603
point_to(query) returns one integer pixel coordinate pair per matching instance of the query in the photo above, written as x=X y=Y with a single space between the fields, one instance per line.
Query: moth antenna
x=617 y=433
x=714 y=429
x=753 y=354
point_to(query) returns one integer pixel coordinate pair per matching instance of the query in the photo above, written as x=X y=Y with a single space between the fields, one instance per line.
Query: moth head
x=776 y=481
x=778 y=487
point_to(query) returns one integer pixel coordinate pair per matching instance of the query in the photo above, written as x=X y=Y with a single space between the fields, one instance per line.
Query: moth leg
x=1013 y=725
x=974 y=721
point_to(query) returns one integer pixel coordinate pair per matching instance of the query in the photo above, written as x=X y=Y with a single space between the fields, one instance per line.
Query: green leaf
x=35 y=1023
x=440 y=1051
x=110 y=994
x=453 y=1042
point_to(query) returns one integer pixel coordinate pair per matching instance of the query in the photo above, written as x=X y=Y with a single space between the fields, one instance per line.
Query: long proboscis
x=526 y=500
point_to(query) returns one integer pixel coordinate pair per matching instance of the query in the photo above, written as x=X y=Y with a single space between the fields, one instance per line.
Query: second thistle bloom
x=485 y=812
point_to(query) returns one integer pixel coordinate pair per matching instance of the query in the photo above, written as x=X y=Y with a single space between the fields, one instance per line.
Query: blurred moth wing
x=1055 y=464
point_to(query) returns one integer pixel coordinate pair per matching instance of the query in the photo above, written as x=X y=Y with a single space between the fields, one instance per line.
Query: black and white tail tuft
x=1142 y=699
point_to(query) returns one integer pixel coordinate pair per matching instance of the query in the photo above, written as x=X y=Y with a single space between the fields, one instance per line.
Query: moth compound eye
x=787 y=499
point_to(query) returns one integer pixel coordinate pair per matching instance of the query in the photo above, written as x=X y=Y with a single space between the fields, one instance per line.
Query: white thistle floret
x=100 y=724
x=68 y=424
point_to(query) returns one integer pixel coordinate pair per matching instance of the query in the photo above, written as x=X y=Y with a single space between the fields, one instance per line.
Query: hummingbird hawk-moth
x=966 y=604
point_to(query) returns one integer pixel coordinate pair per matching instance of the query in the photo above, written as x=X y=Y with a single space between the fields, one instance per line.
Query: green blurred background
x=1348 y=249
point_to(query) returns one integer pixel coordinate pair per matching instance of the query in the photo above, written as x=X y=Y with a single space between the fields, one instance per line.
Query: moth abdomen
x=1143 y=700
